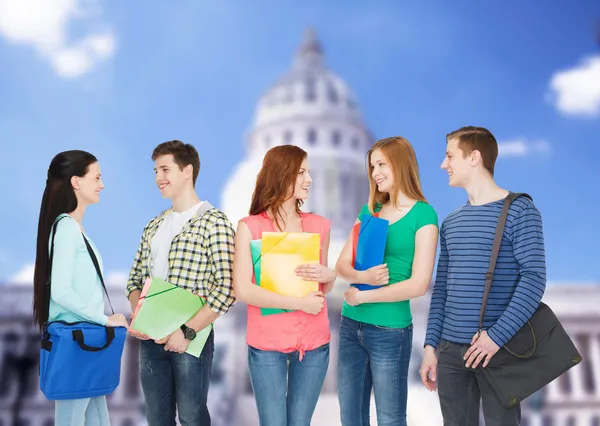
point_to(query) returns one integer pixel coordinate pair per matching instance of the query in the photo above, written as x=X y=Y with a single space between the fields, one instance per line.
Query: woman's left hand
x=353 y=296
x=315 y=272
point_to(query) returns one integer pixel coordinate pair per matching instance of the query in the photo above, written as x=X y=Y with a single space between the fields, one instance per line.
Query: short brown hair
x=471 y=138
x=183 y=154
x=278 y=173
x=403 y=162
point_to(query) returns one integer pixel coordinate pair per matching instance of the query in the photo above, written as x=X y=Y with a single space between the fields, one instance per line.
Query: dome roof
x=314 y=109
x=307 y=90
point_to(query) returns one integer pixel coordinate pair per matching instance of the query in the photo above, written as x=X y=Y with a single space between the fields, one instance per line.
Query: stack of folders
x=369 y=237
x=163 y=308
x=275 y=257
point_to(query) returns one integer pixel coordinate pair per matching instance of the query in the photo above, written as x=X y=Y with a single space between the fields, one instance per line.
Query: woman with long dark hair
x=288 y=352
x=76 y=294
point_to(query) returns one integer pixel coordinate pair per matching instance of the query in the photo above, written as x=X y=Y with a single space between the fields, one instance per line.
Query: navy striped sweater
x=466 y=239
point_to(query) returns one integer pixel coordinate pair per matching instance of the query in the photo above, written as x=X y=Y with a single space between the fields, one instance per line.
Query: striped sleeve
x=220 y=256
x=528 y=247
x=437 y=308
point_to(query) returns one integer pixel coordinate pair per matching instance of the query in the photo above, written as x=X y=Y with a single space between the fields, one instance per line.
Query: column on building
x=594 y=359
x=578 y=392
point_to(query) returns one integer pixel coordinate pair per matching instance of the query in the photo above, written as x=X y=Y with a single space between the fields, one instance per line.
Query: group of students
x=193 y=245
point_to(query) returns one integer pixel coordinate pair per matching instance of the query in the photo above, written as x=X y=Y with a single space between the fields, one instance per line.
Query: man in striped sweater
x=466 y=239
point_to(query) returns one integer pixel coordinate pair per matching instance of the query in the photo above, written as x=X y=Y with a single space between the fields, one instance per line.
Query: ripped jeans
x=171 y=380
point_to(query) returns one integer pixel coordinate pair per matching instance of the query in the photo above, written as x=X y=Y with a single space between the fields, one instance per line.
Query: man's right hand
x=312 y=303
x=428 y=369
x=133 y=301
x=377 y=275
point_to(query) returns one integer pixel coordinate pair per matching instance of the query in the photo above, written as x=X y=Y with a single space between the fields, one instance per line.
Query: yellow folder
x=281 y=253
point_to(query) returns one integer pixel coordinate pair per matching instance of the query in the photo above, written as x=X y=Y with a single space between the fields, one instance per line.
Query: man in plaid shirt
x=190 y=245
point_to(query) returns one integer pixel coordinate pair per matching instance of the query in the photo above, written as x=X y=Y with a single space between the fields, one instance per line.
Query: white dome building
x=312 y=108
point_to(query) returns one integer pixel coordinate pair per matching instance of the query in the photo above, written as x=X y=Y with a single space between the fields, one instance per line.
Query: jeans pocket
x=444 y=345
x=254 y=351
x=393 y=329
x=323 y=349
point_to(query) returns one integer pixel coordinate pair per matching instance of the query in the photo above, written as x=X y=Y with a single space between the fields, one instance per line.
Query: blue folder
x=370 y=247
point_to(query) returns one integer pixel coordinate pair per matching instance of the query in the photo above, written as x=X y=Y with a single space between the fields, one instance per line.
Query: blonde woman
x=376 y=328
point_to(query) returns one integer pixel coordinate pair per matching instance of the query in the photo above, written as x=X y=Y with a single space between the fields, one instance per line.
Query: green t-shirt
x=399 y=254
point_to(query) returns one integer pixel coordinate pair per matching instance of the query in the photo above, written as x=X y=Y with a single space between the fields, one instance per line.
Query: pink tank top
x=289 y=331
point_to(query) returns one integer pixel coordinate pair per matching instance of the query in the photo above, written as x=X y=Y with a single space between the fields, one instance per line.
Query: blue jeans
x=171 y=380
x=82 y=412
x=287 y=389
x=373 y=357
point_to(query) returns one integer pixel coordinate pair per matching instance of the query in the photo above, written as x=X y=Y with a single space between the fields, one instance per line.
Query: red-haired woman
x=288 y=353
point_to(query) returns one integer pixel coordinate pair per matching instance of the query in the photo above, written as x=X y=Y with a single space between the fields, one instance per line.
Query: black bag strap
x=489 y=276
x=97 y=266
x=78 y=337
x=94 y=261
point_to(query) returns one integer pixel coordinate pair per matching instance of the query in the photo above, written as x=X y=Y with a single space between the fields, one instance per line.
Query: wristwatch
x=188 y=332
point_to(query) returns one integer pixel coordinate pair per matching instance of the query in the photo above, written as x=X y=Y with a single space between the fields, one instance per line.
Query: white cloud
x=116 y=278
x=43 y=25
x=576 y=91
x=237 y=193
x=23 y=276
x=522 y=147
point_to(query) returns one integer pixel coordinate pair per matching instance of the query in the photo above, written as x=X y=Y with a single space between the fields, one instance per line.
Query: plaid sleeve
x=135 y=275
x=221 y=243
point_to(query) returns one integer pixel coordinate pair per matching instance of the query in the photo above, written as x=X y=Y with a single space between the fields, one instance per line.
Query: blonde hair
x=402 y=159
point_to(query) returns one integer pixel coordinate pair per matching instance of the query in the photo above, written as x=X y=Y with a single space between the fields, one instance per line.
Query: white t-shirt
x=171 y=225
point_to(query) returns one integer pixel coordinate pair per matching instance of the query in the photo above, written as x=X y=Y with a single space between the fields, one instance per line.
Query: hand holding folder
x=281 y=253
x=369 y=238
x=256 y=248
x=163 y=308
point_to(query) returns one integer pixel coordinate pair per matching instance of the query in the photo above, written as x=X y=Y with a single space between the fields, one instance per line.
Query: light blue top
x=76 y=293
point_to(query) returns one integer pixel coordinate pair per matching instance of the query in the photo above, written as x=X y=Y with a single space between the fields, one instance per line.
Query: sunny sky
x=116 y=78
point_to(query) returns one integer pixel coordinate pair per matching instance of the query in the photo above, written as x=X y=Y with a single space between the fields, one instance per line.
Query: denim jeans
x=82 y=412
x=171 y=380
x=287 y=389
x=375 y=358
x=461 y=389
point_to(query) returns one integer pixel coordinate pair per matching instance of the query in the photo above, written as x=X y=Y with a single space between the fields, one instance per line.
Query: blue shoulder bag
x=79 y=359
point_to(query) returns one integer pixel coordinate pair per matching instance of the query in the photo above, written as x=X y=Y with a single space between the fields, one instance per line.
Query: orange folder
x=281 y=253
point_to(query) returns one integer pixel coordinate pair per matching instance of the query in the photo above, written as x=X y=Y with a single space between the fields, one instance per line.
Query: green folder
x=255 y=248
x=164 y=308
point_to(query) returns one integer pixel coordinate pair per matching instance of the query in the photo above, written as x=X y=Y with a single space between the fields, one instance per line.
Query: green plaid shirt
x=200 y=258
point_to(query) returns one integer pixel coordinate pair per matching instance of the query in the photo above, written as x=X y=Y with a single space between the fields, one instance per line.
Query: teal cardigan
x=76 y=293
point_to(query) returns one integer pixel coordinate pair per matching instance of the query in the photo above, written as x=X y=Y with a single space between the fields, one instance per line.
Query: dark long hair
x=59 y=197
x=279 y=171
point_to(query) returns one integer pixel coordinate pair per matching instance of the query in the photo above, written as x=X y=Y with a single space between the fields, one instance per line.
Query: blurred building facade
x=571 y=400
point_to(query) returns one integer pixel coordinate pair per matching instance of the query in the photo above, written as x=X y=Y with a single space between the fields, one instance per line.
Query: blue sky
x=118 y=79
